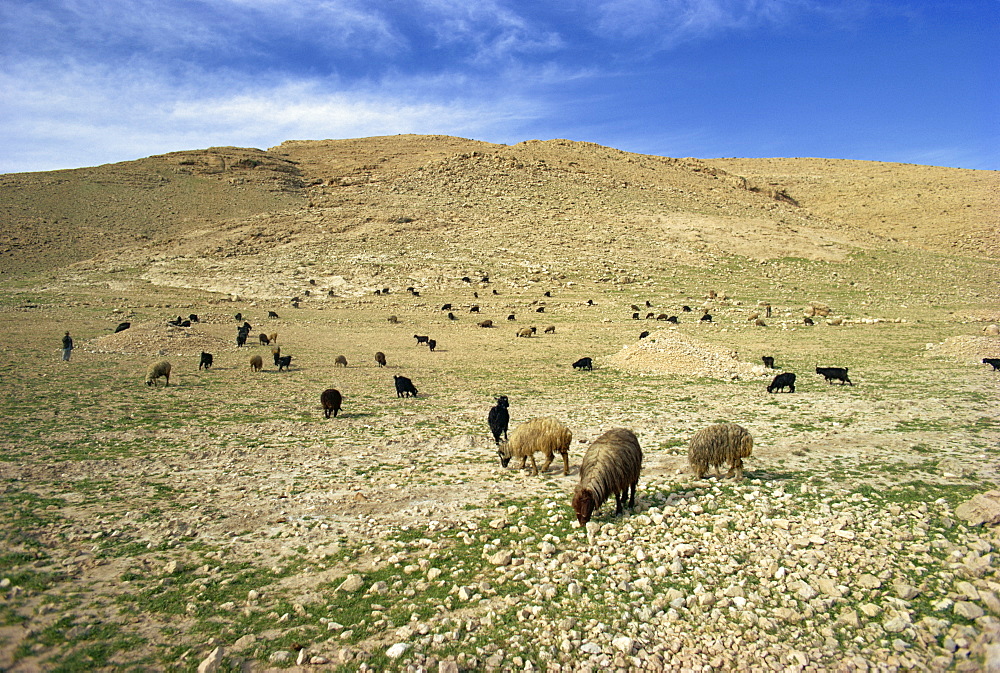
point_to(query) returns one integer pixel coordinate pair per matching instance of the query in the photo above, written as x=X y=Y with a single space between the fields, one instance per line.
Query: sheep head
x=505 y=454
x=584 y=505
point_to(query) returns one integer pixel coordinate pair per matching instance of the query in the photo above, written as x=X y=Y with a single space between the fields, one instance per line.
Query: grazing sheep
x=206 y=360
x=635 y=308
x=525 y=332
x=446 y=307
x=122 y=326
x=649 y=304
x=540 y=309
x=768 y=361
x=706 y=318
x=486 y=323
x=272 y=314
x=807 y=321
x=241 y=338
x=264 y=339
x=611 y=465
x=635 y=316
x=340 y=361
x=662 y=316
x=832 y=374
x=193 y=318
x=420 y=339
x=994 y=362
x=330 y=399
x=719 y=444
x=393 y=319
x=782 y=381
x=474 y=308
x=380 y=358
x=673 y=319
x=753 y=316
x=685 y=309
x=432 y=344
x=239 y=317
x=511 y=317
x=283 y=362
x=498 y=419
x=584 y=363
x=551 y=329
x=275 y=351
x=650 y=316
x=155 y=371
x=404 y=387
x=273 y=337
x=466 y=279
x=256 y=363
x=644 y=334
x=451 y=316
x=539 y=434
x=759 y=323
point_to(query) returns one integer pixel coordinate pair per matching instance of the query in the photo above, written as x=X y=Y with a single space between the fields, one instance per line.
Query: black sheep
x=768 y=361
x=432 y=344
x=420 y=339
x=992 y=361
x=331 y=400
x=832 y=374
x=782 y=381
x=644 y=334
x=283 y=362
x=122 y=326
x=584 y=363
x=499 y=418
x=404 y=387
x=206 y=360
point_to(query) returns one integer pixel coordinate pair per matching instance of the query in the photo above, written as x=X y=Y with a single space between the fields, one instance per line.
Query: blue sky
x=86 y=82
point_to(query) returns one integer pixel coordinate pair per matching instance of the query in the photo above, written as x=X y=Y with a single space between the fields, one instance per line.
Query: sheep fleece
x=610 y=467
x=540 y=434
x=717 y=445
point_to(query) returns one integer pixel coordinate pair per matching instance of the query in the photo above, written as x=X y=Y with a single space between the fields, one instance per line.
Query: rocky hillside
x=559 y=196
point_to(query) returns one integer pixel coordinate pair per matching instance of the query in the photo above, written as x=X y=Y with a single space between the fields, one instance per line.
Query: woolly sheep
x=380 y=358
x=331 y=400
x=546 y=435
x=486 y=323
x=525 y=332
x=499 y=418
x=551 y=329
x=155 y=371
x=264 y=339
x=256 y=363
x=340 y=361
x=273 y=337
x=719 y=444
x=122 y=326
x=611 y=465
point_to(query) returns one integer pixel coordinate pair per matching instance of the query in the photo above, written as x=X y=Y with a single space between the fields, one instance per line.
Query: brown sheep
x=256 y=363
x=551 y=329
x=264 y=340
x=486 y=323
x=380 y=358
x=611 y=465
x=273 y=337
x=155 y=371
x=340 y=361
x=526 y=332
x=539 y=434
x=719 y=444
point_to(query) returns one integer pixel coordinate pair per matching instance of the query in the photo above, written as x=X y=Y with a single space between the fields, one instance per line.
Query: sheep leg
x=524 y=461
x=548 y=462
x=619 y=497
x=534 y=467
x=565 y=463
x=631 y=502
x=736 y=469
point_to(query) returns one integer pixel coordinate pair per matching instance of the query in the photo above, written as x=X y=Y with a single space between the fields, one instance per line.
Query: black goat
x=404 y=387
x=272 y=314
x=206 y=360
x=992 y=361
x=499 y=418
x=122 y=326
x=432 y=344
x=768 y=361
x=832 y=374
x=782 y=381
x=584 y=363
x=420 y=339
x=644 y=334
x=283 y=362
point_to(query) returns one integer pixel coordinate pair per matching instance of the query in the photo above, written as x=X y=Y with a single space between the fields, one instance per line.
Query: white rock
x=590 y=648
x=968 y=610
x=397 y=650
x=212 y=662
x=351 y=584
x=623 y=644
x=501 y=558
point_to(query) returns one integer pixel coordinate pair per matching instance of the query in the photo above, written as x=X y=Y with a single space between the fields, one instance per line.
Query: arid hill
x=556 y=196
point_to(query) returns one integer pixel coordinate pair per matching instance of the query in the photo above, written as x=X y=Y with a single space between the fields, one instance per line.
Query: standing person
x=67 y=346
